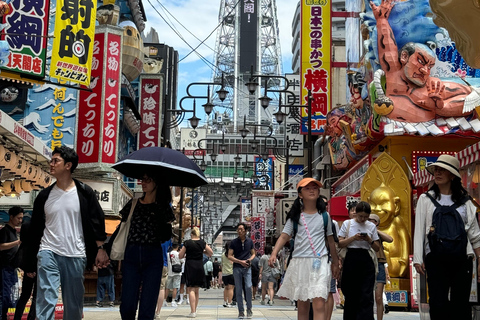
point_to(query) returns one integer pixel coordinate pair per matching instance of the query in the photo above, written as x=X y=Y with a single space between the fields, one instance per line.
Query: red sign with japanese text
x=257 y=231
x=112 y=98
x=150 y=97
x=90 y=108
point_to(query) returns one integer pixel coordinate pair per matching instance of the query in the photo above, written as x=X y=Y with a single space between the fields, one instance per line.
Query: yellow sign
x=315 y=62
x=73 y=43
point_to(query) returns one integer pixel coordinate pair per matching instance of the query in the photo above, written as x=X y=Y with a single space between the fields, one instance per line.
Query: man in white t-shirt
x=67 y=234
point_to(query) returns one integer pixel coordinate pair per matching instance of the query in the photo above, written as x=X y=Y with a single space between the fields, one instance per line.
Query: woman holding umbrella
x=143 y=262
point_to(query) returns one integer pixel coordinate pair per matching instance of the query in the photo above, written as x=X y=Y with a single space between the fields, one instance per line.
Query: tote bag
x=120 y=242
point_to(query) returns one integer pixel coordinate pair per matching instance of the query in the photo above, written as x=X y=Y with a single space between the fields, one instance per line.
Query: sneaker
x=192 y=315
x=112 y=304
x=99 y=304
x=188 y=301
x=241 y=315
x=249 y=314
x=262 y=302
x=234 y=303
x=270 y=303
x=174 y=304
x=165 y=304
x=387 y=308
x=180 y=302
x=225 y=304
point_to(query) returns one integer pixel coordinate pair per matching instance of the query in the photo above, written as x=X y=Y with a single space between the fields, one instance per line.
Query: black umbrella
x=170 y=166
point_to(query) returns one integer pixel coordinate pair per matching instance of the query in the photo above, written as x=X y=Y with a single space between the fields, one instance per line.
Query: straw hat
x=306 y=181
x=446 y=162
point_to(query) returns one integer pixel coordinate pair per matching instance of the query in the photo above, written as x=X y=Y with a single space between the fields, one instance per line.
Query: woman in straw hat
x=308 y=275
x=449 y=278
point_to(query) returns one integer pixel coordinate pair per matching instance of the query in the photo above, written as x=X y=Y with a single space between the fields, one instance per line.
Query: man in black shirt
x=241 y=253
x=8 y=248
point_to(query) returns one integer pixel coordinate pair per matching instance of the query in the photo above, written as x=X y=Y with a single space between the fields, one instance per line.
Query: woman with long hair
x=150 y=227
x=358 y=275
x=266 y=276
x=308 y=275
x=449 y=276
x=193 y=251
x=227 y=277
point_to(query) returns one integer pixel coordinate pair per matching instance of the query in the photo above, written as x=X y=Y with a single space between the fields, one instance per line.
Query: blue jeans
x=54 y=271
x=240 y=274
x=142 y=267
x=107 y=283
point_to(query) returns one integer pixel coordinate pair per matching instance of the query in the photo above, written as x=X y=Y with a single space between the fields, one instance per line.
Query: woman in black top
x=143 y=262
x=195 y=275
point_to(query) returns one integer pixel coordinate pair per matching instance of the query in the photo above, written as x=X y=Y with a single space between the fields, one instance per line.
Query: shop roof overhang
x=20 y=139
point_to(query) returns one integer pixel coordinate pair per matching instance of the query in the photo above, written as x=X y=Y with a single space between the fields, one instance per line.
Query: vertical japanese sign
x=90 y=108
x=248 y=35
x=112 y=98
x=315 y=62
x=98 y=110
x=26 y=30
x=264 y=170
x=257 y=231
x=58 y=117
x=150 y=110
x=294 y=137
x=74 y=33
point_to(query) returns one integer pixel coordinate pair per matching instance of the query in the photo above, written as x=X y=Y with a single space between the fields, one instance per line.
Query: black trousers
x=447 y=275
x=358 y=279
x=27 y=285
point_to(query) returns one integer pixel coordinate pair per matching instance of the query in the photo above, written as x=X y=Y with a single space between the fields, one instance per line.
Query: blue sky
x=194 y=20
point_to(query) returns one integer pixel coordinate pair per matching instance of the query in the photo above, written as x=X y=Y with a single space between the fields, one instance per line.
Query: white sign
x=295 y=138
x=190 y=138
x=104 y=193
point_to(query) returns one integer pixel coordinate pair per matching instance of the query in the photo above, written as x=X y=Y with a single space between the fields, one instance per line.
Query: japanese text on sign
x=25 y=28
x=58 y=117
x=149 y=135
x=74 y=34
x=315 y=63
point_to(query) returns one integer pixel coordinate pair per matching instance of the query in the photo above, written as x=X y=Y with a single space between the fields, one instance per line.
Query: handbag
x=342 y=253
x=176 y=268
x=120 y=241
x=276 y=270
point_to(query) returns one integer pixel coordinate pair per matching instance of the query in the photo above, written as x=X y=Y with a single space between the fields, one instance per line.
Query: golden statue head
x=385 y=204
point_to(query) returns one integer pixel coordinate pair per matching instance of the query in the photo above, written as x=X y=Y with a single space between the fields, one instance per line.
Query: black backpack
x=447 y=235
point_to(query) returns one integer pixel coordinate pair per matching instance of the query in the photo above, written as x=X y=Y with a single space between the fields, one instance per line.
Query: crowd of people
x=66 y=235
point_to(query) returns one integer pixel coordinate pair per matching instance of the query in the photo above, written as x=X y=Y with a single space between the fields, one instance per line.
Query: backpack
x=325 y=224
x=447 y=235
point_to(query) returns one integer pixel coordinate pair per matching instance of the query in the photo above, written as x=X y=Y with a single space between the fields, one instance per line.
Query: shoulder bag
x=120 y=242
x=276 y=270
x=176 y=268
x=342 y=253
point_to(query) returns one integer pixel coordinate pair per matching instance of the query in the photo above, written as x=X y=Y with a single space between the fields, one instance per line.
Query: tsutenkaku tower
x=247 y=38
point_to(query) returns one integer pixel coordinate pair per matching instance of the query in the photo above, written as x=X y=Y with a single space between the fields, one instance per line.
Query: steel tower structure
x=247 y=39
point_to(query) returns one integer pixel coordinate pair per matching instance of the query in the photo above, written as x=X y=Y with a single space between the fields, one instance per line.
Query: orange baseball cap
x=306 y=181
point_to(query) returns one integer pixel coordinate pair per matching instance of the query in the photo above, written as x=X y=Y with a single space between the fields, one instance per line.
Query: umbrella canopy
x=171 y=166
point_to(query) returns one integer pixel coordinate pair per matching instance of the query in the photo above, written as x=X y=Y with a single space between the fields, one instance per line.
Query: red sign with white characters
x=112 y=98
x=150 y=97
x=257 y=231
x=90 y=108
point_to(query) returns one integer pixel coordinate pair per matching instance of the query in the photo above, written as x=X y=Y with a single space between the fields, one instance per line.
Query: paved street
x=210 y=307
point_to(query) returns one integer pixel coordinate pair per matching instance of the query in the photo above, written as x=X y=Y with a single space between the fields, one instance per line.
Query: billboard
x=248 y=35
x=26 y=31
x=315 y=61
x=73 y=40
x=151 y=89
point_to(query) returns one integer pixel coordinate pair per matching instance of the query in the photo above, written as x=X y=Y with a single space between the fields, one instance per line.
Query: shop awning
x=467 y=156
x=110 y=226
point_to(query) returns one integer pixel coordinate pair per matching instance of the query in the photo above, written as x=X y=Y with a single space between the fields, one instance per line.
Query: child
x=308 y=276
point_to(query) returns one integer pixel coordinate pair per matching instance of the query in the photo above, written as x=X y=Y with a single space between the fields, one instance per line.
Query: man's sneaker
x=225 y=304
x=112 y=304
x=249 y=314
x=234 y=303
x=262 y=302
x=99 y=304
x=165 y=303
x=270 y=303
x=241 y=315
x=174 y=304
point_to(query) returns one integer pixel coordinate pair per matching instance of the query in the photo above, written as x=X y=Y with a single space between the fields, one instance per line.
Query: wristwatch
x=101 y=247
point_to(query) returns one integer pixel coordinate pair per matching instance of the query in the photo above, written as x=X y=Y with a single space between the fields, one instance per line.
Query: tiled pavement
x=210 y=307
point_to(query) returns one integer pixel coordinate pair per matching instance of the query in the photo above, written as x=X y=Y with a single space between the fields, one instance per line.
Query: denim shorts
x=381 y=276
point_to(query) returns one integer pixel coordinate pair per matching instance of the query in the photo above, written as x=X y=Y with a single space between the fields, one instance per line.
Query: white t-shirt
x=63 y=232
x=355 y=227
x=315 y=226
